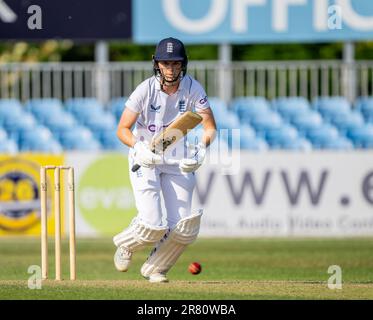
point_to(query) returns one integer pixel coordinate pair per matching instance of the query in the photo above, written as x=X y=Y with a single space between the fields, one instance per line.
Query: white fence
x=261 y=78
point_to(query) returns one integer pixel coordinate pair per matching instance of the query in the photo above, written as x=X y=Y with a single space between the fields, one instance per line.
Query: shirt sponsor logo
x=155 y=108
x=203 y=100
x=154 y=128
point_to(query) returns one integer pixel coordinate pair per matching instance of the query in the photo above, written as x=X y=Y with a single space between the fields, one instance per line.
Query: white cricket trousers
x=176 y=187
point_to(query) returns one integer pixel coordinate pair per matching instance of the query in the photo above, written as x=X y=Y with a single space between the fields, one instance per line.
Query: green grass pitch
x=231 y=269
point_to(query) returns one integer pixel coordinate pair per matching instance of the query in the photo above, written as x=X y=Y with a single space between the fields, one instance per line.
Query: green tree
x=126 y=51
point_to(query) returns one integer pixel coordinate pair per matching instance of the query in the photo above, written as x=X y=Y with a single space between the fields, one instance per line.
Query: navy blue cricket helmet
x=170 y=49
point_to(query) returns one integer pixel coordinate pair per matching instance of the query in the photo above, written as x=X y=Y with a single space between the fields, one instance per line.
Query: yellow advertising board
x=20 y=193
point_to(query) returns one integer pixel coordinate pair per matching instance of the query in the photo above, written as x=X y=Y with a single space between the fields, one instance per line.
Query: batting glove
x=144 y=157
x=192 y=164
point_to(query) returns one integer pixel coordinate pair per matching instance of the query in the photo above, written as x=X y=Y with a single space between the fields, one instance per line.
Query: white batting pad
x=139 y=235
x=165 y=255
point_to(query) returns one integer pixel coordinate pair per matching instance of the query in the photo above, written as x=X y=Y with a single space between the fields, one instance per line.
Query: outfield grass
x=231 y=269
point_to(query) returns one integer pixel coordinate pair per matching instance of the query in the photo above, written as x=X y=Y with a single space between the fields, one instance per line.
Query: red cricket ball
x=195 y=268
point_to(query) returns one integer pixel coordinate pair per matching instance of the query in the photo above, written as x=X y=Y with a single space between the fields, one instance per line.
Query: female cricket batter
x=154 y=104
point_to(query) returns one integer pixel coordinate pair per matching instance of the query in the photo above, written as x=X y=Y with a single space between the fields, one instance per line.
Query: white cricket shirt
x=158 y=110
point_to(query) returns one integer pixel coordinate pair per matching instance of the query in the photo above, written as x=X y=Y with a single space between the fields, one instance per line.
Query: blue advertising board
x=252 y=21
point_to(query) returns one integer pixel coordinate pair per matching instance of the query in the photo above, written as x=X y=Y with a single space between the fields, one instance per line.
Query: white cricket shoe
x=122 y=259
x=158 y=277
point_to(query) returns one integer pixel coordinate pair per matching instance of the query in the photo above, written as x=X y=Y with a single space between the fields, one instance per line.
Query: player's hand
x=144 y=157
x=192 y=164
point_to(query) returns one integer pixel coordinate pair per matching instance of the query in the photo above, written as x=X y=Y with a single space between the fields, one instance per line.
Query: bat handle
x=135 y=167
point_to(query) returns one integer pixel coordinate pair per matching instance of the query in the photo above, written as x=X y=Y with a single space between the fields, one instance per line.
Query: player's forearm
x=209 y=126
x=126 y=136
x=208 y=136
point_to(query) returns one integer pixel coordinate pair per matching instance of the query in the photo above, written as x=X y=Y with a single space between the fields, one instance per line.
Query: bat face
x=175 y=131
x=168 y=141
x=162 y=144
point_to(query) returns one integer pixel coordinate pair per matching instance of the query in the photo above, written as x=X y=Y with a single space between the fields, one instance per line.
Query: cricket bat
x=173 y=133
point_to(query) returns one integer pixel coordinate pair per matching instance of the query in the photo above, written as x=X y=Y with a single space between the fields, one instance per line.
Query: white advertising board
x=268 y=194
